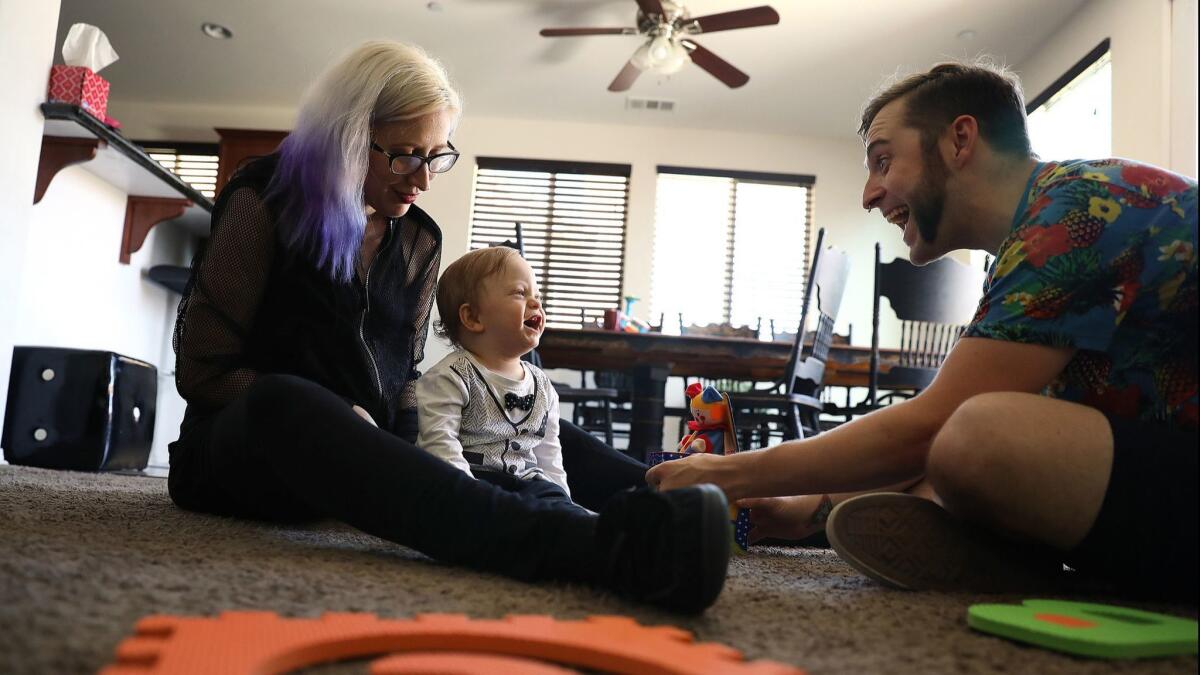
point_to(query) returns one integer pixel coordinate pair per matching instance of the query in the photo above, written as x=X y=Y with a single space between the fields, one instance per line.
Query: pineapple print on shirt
x=1102 y=259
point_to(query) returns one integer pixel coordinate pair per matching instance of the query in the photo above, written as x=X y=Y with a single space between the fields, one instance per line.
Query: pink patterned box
x=80 y=86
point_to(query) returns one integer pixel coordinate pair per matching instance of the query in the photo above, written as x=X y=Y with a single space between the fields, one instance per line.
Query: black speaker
x=79 y=409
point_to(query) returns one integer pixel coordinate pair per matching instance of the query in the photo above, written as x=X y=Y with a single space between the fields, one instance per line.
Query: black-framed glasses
x=404 y=163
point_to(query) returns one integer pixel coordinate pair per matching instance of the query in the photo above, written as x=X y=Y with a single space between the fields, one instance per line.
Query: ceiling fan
x=668 y=28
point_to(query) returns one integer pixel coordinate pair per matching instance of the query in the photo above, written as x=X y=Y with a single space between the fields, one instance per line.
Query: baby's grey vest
x=490 y=440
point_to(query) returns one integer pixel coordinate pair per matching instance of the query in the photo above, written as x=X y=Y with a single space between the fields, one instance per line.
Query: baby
x=482 y=408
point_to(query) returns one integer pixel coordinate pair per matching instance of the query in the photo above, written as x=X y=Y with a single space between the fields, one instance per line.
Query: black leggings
x=290 y=450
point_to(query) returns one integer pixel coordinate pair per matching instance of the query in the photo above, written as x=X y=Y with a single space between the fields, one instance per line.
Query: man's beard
x=929 y=200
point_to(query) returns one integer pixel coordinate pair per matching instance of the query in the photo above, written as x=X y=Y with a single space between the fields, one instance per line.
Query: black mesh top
x=252 y=307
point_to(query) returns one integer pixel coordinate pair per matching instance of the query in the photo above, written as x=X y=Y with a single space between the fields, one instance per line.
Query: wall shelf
x=171 y=277
x=73 y=136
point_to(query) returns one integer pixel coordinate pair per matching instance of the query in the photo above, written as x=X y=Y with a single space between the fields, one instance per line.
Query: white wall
x=76 y=291
x=26 y=52
x=1145 y=90
x=1183 y=87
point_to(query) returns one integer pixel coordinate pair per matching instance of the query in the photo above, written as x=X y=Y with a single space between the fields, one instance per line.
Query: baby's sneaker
x=666 y=548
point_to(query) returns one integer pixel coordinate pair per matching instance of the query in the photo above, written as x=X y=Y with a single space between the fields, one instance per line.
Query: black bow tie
x=513 y=401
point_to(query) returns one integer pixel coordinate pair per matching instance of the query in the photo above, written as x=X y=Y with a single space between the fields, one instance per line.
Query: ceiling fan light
x=673 y=64
x=669 y=68
x=641 y=58
x=661 y=49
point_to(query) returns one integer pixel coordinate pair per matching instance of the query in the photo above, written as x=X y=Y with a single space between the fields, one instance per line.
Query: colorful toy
x=615 y=319
x=1086 y=629
x=711 y=424
x=711 y=433
x=624 y=321
x=264 y=642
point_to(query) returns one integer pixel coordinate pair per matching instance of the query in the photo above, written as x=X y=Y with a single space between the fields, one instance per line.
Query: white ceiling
x=808 y=75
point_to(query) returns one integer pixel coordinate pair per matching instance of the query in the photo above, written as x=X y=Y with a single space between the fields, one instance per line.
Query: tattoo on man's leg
x=822 y=513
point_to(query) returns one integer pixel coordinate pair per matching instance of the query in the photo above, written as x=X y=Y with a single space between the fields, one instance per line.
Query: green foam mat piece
x=1087 y=629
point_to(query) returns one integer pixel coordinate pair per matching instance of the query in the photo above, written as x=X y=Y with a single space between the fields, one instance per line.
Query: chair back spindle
x=933 y=304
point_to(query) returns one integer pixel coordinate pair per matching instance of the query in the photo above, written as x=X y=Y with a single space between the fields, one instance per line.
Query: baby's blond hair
x=461 y=283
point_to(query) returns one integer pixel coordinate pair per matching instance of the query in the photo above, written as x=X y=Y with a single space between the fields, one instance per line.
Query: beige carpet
x=83 y=556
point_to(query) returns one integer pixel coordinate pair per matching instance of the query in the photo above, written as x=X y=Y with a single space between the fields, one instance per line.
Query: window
x=731 y=247
x=572 y=216
x=1072 y=119
x=194 y=163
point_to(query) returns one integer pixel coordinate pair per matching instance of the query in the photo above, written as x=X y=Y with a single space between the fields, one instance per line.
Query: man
x=1062 y=426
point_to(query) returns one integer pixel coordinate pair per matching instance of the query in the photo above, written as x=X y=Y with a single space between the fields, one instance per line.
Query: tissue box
x=79 y=86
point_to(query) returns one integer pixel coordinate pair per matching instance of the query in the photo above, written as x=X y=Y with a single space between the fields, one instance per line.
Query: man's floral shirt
x=1102 y=259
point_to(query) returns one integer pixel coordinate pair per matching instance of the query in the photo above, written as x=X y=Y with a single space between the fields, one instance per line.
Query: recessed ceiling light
x=216 y=31
x=966 y=35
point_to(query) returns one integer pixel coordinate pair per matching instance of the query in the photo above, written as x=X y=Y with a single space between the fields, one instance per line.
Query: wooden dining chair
x=793 y=406
x=933 y=304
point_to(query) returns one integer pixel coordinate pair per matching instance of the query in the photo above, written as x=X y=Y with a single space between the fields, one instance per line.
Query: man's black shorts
x=1145 y=537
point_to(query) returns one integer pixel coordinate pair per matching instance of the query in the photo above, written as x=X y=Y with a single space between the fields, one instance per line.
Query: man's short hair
x=989 y=93
x=461 y=283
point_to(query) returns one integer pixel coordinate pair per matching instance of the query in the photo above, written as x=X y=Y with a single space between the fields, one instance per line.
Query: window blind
x=573 y=218
x=194 y=163
x=731 y=247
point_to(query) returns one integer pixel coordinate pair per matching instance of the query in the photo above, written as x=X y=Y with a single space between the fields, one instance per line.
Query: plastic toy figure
x=712 y=428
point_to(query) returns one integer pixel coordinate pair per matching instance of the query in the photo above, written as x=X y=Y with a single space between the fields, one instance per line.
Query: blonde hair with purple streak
x=323 y=162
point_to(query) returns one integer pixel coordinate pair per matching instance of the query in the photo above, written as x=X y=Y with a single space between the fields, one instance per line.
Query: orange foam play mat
x=264 y=642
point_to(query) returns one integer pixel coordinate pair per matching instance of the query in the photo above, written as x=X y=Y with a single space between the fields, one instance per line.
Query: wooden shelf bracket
x=142 y=214
x=59 y=152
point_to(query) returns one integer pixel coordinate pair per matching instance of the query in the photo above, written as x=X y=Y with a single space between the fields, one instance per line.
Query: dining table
x=650 y=358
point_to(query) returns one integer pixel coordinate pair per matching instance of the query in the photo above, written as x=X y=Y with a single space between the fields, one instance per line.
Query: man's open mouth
x=897 y=216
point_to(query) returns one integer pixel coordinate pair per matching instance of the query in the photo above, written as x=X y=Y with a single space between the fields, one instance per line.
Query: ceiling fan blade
x=571 y=32
x=649 y=7
x=740 y=18
x=716 y=66
x=625 y=78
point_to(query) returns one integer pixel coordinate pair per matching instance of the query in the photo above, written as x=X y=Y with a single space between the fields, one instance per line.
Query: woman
x=296 y=343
